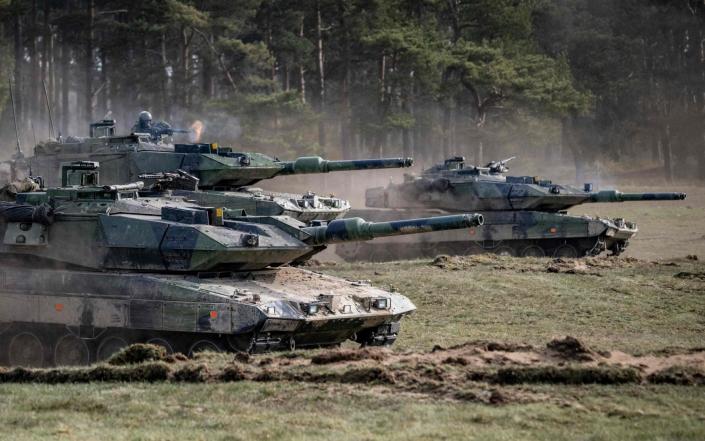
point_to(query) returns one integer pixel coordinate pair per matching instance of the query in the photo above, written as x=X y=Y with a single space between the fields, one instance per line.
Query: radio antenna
x=14 y=117
x=51 y=118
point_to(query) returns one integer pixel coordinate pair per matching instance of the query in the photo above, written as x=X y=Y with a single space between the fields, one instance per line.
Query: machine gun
x=499 y=167
x=178 y=180
x=161 y=129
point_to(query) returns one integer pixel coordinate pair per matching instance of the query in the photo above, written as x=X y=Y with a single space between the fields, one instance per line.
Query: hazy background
x=586 y=90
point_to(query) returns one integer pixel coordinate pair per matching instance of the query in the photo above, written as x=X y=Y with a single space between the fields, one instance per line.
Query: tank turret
x=124 y=158
x=226 y=174
x=160 y=234
x=457 y=186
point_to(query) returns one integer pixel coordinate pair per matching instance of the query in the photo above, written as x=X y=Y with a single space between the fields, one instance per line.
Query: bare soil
x=473 y=371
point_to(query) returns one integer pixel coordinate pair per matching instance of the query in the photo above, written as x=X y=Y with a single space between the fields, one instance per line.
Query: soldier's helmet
x=145 y=118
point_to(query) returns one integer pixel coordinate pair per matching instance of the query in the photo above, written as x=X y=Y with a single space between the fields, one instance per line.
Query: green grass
x=639 y=307
x=244 y=411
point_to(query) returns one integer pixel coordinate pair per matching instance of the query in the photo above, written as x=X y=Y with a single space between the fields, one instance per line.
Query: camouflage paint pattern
x=219 y=169
x=110 y=267
x=523 y=215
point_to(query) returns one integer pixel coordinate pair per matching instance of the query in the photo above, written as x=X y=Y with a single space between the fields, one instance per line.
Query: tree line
x=620 y=81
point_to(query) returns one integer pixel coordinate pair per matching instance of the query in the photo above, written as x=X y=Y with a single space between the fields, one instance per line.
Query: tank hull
x=58 y=317
x=515 y=233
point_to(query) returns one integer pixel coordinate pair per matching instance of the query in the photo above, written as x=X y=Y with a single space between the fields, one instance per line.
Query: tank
x=90 y=269
x=524 y=216
x=224 y=175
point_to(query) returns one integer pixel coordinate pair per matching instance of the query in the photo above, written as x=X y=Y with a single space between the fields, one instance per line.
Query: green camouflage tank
x=524 y=216
x=224 y=175
x=88 y=270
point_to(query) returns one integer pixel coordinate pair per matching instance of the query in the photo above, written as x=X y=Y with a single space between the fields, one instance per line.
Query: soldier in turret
x=144 y=123
x=156 y=130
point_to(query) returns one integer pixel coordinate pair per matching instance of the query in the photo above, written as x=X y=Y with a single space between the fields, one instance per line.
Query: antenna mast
x=51 y=118
x=14 y=117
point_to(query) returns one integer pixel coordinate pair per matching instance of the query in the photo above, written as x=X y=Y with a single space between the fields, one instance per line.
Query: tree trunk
x=381 y=104
x=302 y=69
x=345 y=129
x=701 y=157
x=34 y=86
x=446 y=130
x=46 y=43
x=88 y=91
x=104 y=97
x=64 y=74
x=667 y=154
x=321 y=80
x=19 y=61
x=479 y=153
x=207 y=75
x=165 y=84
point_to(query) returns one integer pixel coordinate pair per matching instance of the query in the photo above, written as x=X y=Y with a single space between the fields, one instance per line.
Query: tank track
x=569 y=248
x=45 y=345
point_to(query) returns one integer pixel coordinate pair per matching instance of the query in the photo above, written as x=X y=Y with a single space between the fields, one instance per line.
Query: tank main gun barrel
x=617 y=196
x=355 y=229
x=316 y=164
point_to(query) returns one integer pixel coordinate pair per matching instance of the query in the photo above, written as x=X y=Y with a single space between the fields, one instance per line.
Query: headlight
x=382 y=303
x=310 y=308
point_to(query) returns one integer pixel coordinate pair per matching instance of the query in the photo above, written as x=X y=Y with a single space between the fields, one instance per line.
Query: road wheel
x=505 y=250
x=533 y=251
x=567 y=251
x=241 y=342
x=109 y=346
x=71 y=351
x=204 y=345
x=26 y=349
x=158 y=341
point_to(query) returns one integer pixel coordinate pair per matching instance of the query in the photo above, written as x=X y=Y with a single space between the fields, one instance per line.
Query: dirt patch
x=690 y=276
x=570 y=348
x=594 y=266
x=570 y=266
x=680 y=375
x=566 y=375
x=341 y=355
x=138 y=353
x=478 y=371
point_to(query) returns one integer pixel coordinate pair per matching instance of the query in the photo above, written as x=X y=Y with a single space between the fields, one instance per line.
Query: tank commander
x=144 y=123
x=156 y=131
